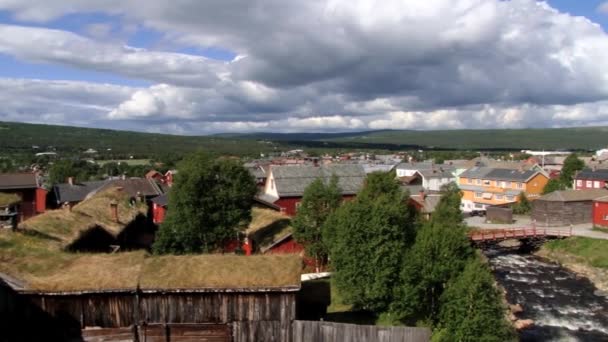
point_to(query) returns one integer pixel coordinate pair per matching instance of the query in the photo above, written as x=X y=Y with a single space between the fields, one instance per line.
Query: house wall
x=600 y=214
x=40 y=200
x=556 y=213
x=287 y=246
x=158 y=213
x=61 y=317
x=583 y=184
x=28 y=206
x=535 y=186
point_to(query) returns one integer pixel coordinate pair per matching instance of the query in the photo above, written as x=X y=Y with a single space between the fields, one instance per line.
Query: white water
x=563 y=306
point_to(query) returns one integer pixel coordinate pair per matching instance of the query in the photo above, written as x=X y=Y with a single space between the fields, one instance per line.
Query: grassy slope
x=563 y=138
x=20 y=137
x=589 y=251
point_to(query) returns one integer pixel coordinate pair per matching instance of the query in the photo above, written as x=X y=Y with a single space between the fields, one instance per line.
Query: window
x=579 y=183
x=498 y=197
x=510 y=198
x=478 y=194
x=486 y=182
x=469 y=180
x=478 y=206
x=478 y=181
x=605 y=217
x=596 y=184
x=588 y=184
x=462 y=205
x=519 y=185
x=503 y=184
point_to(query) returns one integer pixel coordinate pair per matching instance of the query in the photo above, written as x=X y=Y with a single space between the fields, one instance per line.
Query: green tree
x=441 y=251
x=318 y=202
x=471 y=308
x=572 y=164
x=209 y=203
x=523 y=206
x=367 y=240
x=553 y=185
x=80 y=170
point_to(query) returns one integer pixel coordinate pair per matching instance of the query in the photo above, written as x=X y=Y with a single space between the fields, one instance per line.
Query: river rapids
x=563 y=305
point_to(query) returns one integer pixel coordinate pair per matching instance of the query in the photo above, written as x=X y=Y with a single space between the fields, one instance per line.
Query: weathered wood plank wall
x=304 y=331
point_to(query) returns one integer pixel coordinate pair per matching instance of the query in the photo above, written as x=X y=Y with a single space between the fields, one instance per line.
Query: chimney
x=422 y=195
x=594 y=168
x=114 y=211
x=71 y=180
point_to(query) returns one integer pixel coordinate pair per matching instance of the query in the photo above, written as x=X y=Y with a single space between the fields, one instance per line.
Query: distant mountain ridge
x=16 y=137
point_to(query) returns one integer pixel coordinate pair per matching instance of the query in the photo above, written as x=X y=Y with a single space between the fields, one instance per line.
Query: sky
x=203 y=67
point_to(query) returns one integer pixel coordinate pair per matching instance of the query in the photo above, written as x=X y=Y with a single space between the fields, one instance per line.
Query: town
x=278 y=259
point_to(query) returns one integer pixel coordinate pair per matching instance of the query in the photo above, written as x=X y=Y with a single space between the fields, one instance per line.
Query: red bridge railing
x=518 y=233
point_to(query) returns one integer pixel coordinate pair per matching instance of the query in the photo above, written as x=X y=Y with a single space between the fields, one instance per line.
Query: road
x=525 y=222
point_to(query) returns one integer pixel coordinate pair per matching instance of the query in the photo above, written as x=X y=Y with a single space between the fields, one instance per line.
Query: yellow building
x=485 y=186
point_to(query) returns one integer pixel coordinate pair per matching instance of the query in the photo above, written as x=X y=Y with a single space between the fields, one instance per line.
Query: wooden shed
x=136 y=296
x=563 y=208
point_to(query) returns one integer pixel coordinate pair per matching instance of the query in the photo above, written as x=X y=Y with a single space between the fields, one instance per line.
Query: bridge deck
x=517 y=233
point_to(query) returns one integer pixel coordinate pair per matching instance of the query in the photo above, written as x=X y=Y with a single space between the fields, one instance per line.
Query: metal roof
x=574 y=195
x=18 y=181
x=597 y=174
x=292 y=180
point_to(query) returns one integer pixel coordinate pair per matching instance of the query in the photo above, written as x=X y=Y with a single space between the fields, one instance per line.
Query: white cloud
x=330 y=65
x=603 y=7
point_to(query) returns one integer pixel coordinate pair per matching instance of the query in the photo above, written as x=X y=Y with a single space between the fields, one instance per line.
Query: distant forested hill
x=585 y=138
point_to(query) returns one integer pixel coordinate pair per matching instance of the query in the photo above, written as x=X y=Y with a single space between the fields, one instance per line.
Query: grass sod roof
x=33 y=263
x=267 y=226
x=8 y=199
x=67 y=226
x=221 y=272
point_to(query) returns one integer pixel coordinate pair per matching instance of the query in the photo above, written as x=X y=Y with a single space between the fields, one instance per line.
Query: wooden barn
x=52 y=295
x=563 y=208
x=285 y=184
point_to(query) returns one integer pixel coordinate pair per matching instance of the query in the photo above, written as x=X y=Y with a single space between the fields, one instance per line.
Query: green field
x=590 y=251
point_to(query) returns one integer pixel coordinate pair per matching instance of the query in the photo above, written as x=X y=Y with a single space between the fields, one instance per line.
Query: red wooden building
x=591 y=179
x=600 y=211
x=27 y=186
x=159 y=208
x=285 y=184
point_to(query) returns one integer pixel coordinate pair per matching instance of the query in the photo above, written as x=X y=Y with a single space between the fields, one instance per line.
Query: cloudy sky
x=202 y=67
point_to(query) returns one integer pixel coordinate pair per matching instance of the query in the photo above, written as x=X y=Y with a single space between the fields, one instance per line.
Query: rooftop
x=292 y=180
x=574 y=195
x=10 y=181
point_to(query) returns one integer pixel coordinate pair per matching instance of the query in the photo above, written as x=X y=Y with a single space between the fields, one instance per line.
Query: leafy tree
x=318 y=202
x=439 y=254
x=572 y=164
x=367 y=240
x=81 y=170
x=523 y=206
x=471 y=308
x=553 y=185
x=209 y=203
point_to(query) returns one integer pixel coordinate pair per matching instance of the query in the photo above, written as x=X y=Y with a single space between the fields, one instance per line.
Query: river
x=564 y=307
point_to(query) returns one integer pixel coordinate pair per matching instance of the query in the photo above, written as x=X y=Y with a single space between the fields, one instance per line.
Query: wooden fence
x=304 y=331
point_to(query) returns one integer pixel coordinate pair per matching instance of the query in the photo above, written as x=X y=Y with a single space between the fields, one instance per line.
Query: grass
x=588 y=250
x=221 y=271
x=66 y=226
x=8 y=199
x=600 y=229
x=267 y=226
x=41 y=265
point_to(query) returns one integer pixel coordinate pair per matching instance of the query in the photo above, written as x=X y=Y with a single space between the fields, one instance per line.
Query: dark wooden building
x=141 y=297
x=27 y=186
x=563 y=208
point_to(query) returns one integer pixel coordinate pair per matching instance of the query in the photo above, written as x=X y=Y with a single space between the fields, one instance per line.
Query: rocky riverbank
x=598 y=276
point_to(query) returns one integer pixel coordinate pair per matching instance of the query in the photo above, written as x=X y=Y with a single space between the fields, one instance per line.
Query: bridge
x=492 y=236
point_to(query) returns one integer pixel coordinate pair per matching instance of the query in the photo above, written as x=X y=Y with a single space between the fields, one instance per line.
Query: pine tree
x=367 y=240
x=318 y=202
x=209 y=203
x=572 y=164
x=471 y=308
x=441 y=251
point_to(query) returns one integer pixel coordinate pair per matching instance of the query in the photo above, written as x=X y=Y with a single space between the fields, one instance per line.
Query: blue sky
x=207 y=67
